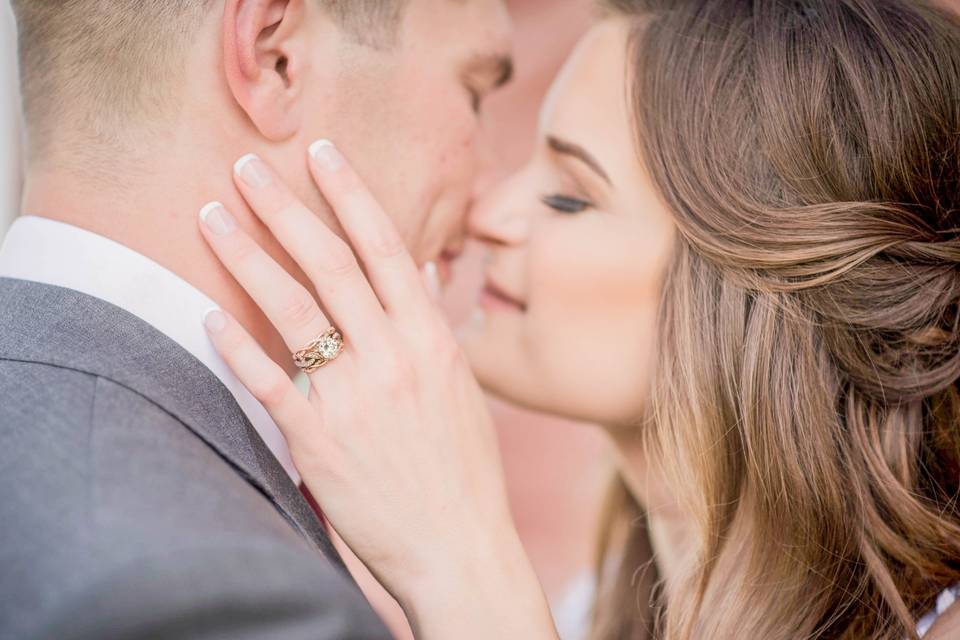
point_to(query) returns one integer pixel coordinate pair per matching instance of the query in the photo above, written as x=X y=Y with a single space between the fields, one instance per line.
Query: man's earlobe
x=263 y=59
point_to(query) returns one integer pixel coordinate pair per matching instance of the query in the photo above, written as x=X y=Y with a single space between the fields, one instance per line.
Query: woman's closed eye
x=566 y=204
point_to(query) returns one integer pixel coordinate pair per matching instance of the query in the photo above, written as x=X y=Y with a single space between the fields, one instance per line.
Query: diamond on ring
x=329 y=346
x=322 y=350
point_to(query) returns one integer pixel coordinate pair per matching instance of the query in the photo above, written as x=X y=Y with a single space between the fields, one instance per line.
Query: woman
x=744 y=261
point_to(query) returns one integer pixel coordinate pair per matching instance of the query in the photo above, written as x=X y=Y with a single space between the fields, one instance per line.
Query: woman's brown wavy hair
x=806 y=396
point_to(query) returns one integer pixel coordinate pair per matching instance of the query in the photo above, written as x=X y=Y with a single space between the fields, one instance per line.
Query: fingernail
x=218 y=219
x=326 y=155
x=252 y=171
x=431 y=278
x=215 y=320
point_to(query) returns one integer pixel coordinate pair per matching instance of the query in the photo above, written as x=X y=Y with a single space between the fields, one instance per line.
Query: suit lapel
x=61 y=327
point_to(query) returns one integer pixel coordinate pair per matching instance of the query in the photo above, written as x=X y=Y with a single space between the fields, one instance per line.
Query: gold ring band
x=320 y=351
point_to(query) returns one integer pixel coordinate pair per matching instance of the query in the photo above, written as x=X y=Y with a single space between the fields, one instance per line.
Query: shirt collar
x=53 y=253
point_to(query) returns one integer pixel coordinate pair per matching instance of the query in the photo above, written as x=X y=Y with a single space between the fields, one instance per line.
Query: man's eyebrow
x=576 y=151
x=498 y=67
x=504 y=66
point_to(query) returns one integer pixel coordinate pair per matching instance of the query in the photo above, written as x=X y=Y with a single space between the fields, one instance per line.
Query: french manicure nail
x=252 y=171
x=326 y=155
x=215 y=320
x=431 y=278
x=218 y=219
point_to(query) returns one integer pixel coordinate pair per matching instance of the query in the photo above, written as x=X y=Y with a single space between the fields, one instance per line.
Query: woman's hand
x=394 y=440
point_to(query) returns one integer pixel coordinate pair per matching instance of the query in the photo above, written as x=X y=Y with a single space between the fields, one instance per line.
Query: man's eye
x=565 y=204
x=476 y=100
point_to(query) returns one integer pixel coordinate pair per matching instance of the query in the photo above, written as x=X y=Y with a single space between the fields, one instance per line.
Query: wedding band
x=320 y=351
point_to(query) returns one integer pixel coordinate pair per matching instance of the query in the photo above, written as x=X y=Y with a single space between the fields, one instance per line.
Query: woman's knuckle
x=340 y=260
x=448 y=350
x=301 y=309
x=230 y=343
x=389 y=244
x=244 y=250
x=398 y=376
x=272 y=390
x=348 y=183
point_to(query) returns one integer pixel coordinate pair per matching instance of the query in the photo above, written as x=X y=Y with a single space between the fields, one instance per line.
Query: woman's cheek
x=592 y=318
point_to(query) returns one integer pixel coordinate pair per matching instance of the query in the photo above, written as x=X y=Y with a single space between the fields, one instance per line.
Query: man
x=147 y=494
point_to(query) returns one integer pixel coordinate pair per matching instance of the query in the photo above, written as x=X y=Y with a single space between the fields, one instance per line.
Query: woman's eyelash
x=565 y=204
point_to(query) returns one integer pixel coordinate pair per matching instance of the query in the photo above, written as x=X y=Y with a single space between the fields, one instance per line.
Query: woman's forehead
x=591 y=80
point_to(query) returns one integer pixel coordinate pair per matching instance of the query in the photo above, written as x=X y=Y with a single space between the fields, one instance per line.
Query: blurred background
x=556 y=471
x=9 y=120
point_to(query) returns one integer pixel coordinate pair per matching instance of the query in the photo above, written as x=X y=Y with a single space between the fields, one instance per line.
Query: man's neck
x=153 y=211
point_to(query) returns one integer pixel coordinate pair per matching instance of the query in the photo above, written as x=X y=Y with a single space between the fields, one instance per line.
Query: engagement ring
x=323 y=349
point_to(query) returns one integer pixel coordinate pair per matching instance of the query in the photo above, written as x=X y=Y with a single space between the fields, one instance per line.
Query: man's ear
x=264 y=60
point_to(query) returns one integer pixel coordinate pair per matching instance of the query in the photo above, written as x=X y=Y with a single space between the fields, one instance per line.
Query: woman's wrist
x=488 y=589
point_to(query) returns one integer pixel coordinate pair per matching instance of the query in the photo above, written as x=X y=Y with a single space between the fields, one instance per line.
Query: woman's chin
x=494 y=353
x=477 y=340
x=492 y=349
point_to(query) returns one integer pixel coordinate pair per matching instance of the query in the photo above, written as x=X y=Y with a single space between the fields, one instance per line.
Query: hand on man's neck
x=150 y=203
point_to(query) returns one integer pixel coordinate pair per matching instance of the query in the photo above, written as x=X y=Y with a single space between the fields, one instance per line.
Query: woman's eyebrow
x=566 y=148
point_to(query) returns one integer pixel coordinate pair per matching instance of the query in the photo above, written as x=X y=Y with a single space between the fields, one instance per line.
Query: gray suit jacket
x=137 y=501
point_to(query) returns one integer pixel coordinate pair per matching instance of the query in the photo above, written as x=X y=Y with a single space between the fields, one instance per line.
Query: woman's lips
x=494 y=298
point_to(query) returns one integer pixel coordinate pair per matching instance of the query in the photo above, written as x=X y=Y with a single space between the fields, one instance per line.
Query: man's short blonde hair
x=114 y=63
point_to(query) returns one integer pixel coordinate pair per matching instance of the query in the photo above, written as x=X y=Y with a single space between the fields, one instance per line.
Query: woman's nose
x=498 y=218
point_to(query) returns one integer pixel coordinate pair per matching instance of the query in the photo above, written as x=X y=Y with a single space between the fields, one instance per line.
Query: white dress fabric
x=571 y=613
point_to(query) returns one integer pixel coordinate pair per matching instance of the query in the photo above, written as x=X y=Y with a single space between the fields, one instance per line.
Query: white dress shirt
x=49 y=252
x=10 y=162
